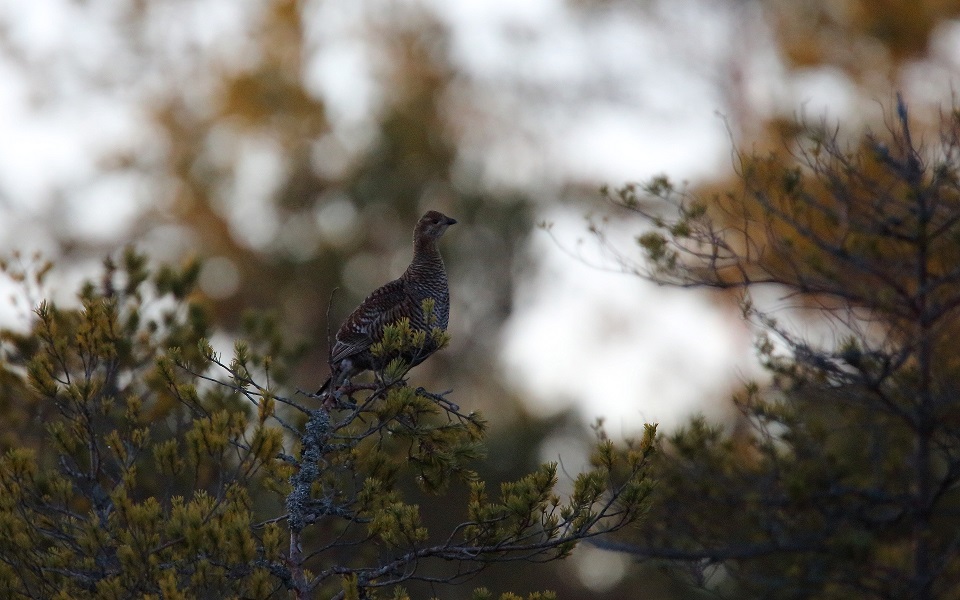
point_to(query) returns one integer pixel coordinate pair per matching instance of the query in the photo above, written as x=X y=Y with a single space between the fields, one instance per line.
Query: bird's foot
x=340 y=397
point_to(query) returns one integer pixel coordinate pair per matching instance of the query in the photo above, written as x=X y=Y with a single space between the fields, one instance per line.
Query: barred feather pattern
x=425 y=277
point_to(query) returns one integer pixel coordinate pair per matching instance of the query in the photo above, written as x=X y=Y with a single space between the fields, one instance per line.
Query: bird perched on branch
x=424 y=280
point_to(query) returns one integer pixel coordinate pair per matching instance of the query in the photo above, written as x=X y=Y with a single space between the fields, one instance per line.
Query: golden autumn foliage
x=146 y=465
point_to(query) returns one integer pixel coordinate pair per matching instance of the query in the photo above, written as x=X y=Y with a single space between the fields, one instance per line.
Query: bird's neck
x=426 y=258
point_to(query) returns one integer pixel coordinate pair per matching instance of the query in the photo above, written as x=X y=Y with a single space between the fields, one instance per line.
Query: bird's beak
x=451 y=221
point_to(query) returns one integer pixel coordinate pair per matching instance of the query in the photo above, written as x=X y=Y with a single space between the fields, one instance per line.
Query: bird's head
x=432 y=225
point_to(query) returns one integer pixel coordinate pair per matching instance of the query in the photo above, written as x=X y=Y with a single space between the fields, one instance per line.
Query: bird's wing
x=386 y=305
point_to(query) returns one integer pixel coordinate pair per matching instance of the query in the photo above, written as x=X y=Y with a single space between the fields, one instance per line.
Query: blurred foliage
x=324 y=217
x=872 y=34
x=775 y=56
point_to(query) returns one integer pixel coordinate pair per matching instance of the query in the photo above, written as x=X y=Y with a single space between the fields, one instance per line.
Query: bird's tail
x=324 y=387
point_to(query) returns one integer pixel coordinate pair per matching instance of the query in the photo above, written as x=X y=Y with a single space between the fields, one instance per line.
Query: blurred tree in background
x=243 y=152
x=331 y=213
x=840 y=479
